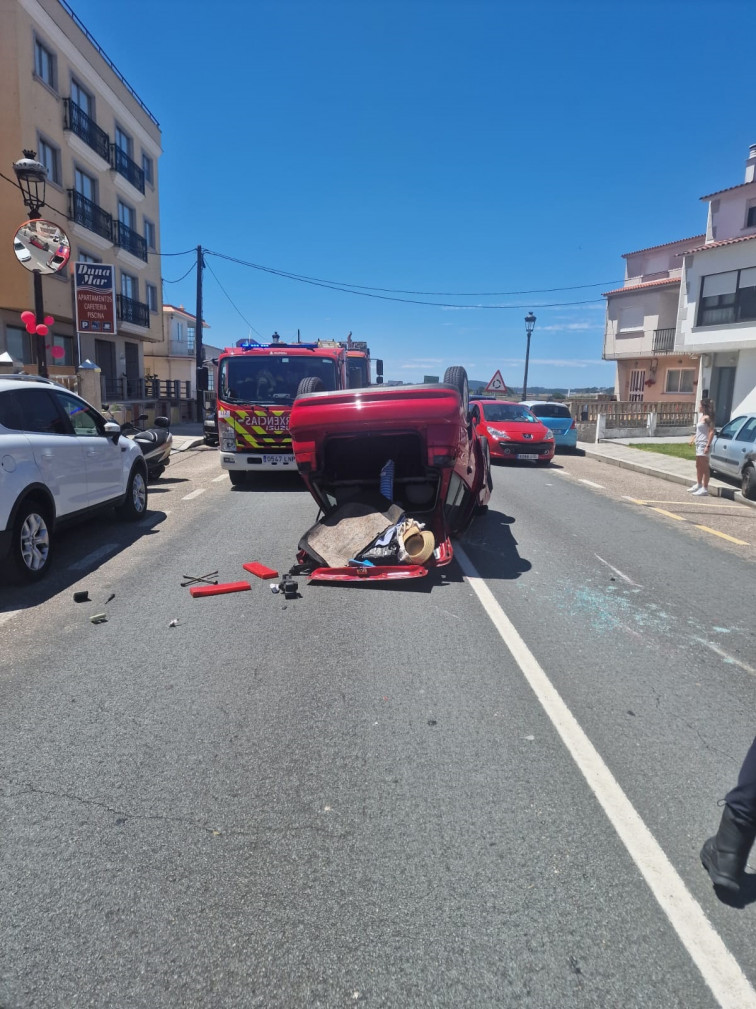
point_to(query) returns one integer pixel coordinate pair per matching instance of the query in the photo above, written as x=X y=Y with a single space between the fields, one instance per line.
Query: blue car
x=558 y=418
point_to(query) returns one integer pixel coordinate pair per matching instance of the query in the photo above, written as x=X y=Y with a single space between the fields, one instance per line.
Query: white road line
x=718 y=967
x=618 y=573
x=592 y=484
x=217 y=479
x=194 y=493
x=92 y=558
x=728 y=658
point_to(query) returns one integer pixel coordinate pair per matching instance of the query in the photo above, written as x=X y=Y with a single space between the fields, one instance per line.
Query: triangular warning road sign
x=497 y=384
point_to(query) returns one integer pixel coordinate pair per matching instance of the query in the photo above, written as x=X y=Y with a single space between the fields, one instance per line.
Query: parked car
x=346 y=441
x=60 y=460
x=733 y=453
x=558 y=419
x=513 y=433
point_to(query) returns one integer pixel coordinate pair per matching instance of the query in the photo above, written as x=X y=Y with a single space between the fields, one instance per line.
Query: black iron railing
x=130 y=240
x=89 y=215
x=129 y=310
x=664 y=341
x=129 y=169
x=144 y=389
x=77 y=121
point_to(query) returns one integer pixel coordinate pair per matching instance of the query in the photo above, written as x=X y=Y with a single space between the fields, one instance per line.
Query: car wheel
x=31 y=546
x=748 y=486
x=310 y=384
x=457 y=377
x=237 y=478
x=135 y=502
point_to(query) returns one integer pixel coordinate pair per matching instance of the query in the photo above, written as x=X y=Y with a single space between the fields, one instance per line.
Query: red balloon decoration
x=57 y=352
x=31 y=328
x=27 y=317
x=42 y=330
x=49 y=320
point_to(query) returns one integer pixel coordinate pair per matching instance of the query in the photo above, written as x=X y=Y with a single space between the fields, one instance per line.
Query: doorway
x=637 y=384
x=722 y=388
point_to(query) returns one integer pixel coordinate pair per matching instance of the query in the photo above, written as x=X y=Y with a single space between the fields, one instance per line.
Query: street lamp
x=530 y=321
x=32 y=177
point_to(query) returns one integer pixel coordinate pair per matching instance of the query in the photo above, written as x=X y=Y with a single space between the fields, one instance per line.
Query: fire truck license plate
x=278 y=460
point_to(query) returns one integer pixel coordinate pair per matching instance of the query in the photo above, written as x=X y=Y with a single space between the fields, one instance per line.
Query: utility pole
x=201 y=374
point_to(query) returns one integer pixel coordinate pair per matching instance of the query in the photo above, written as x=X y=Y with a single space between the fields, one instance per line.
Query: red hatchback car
x=512 y=431
x=345 y=441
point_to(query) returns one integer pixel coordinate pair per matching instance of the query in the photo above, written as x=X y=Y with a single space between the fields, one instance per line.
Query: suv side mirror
x=113 y=430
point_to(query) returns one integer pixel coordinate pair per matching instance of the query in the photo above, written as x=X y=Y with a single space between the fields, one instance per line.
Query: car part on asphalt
x=193 y=579
x=219 y=590
x=81 y=597
x=255 y=568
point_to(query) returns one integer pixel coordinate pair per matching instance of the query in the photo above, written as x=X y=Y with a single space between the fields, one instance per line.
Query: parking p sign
x=95 y=298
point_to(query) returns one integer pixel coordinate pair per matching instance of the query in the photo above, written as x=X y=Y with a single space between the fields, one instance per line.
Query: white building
x=717 y=313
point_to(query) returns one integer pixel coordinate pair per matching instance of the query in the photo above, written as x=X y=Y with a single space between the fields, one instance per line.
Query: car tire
x=310 y=384
x=134 y=505
x=748 y=486
x=31 y=545
x=457 y=376
x=237 y=479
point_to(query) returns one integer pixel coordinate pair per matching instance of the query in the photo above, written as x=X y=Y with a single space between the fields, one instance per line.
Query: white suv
x=59 y=461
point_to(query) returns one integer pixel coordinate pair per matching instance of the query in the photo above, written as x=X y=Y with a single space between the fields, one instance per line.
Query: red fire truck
x=257 y=385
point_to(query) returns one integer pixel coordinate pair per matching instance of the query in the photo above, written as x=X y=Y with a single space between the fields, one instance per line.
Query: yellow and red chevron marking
x=261 y=428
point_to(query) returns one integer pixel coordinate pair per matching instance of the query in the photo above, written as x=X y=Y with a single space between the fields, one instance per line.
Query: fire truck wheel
x=310 y=384
x=237 y=478
x=457 y=377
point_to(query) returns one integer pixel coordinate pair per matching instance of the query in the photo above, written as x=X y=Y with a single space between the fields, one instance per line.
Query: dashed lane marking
x=619 y=573
x=592 y=484
x=194 y=493
x=680 y=518
x=217 y=479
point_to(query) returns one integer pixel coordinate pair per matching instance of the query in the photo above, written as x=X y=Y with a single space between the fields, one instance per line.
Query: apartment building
x=641 y=327
x=63 y=98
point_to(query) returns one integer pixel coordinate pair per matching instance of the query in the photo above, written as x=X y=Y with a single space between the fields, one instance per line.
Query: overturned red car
x=396 y=470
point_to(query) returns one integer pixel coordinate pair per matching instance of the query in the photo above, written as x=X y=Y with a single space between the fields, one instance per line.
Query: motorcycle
x=155 y=443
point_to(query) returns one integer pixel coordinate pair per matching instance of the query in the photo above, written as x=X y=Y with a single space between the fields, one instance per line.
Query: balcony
x=129 y=240
x=129 y=169
x=135 y=312
x=89 y=215
x=78 y=122
x=664 y=341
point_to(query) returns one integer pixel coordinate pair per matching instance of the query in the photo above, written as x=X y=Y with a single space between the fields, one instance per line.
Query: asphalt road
x=487 y=788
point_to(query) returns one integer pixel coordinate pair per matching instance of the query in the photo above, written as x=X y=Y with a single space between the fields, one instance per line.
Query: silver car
x=733 y=452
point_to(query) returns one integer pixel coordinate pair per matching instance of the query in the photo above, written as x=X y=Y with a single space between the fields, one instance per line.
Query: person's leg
x=698 y=483
x=704 y=479
x=725 y=855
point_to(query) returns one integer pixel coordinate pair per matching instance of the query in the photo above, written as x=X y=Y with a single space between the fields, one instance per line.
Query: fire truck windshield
x=271 y=378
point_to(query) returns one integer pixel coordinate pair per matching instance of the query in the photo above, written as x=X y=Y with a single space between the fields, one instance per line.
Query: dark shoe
x=724 y=856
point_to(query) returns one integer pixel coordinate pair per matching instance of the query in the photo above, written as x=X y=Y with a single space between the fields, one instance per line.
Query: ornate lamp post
x=32 y=178
x=530 y=321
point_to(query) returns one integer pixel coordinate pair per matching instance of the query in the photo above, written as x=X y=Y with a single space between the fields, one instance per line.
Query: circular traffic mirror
x=42 y=246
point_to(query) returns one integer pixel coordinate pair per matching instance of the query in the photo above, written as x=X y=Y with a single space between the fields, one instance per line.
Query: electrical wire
x=345 y=289
x=192 y=267
x=234 y=306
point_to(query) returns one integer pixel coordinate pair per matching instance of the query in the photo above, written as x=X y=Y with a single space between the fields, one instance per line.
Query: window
x=129 y=286
x=126 y=215
x=44 y=64
x=123 y=141
x=147 y=168
x=83 y=419
x=152 y=297
x=728 y=297
x=50 y=158
x=680 y=380
x=85 y=185
x=191 y=333
x=149 y=233
x=178 y=331
x=85 y=257
x=747 y=431
x=751 y=217
x=18 y=344
x=39 y=412
x=66 y=343
x=82 y=98
x=630 y=318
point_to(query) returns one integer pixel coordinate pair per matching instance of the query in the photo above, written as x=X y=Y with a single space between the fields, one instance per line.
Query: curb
x=191 y=442
x=715 y=490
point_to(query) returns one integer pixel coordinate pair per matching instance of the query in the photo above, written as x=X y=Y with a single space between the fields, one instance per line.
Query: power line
x=346 y=289
x=234 y=306
x=181 y=277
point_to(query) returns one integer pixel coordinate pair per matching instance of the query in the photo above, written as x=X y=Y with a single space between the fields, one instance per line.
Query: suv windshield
x=271 y=378
x=550 y=410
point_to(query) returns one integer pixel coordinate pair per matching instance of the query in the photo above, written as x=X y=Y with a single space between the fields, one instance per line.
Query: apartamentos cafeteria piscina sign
x=95 y=298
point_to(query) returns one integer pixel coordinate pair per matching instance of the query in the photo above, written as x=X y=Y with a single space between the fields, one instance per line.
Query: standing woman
x=705 y=430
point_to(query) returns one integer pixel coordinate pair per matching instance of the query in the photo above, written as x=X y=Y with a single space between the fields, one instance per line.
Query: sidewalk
x=187 y=435
x=666 y=467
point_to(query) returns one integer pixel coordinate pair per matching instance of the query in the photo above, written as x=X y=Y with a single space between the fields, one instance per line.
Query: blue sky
x=470 y=149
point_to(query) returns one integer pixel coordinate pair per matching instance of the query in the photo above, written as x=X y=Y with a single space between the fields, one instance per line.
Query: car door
x=104 y=459
x=720 y=458
x=57 y=451
x=743 y=443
